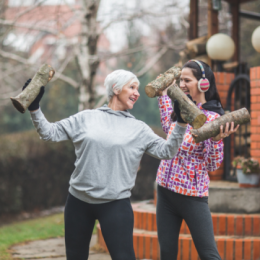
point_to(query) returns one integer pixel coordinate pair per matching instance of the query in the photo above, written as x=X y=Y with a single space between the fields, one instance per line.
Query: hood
x=215 y=106
x=106 y=109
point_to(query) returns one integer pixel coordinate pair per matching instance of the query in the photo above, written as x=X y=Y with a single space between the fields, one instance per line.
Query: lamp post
x=220 y=47
x=256 y=39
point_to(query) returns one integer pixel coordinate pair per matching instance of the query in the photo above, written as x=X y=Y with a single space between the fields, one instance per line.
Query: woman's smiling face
x=129 y=95
x=188 y=82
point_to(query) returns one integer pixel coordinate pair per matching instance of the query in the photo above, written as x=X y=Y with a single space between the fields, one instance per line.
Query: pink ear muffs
x=203 y=84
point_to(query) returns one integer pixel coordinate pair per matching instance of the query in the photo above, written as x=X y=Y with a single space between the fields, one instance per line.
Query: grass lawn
x=40 y=228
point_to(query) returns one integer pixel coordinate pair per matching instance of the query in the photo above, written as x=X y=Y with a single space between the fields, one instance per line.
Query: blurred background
x=84 y=40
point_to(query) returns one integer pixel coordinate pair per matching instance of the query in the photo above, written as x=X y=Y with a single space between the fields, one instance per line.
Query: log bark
x=22 y=101
x=156 y=87
x=212 y=129
x=189 y=111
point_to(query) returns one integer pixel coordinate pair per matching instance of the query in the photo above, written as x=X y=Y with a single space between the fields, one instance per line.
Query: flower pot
x=247 y=180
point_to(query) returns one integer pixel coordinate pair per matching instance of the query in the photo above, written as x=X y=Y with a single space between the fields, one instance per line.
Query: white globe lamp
x=256 y=39
x=220 y=47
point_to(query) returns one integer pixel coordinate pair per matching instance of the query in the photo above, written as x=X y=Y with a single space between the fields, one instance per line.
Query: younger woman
x=183 y=181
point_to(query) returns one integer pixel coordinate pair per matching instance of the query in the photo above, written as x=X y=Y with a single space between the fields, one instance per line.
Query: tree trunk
x=27 y=96
x=87 y=54
x=156 y=87
x=212 y=129
x=189 y=111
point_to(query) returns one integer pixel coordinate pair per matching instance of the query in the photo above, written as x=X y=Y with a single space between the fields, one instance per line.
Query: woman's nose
x=137 y=93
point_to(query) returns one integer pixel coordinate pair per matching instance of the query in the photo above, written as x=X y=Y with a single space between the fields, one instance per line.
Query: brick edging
x=223 y=224
x=146 y=247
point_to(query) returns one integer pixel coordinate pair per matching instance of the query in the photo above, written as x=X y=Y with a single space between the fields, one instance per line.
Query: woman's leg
x=168 y=224
x=199 y=221
x=117 y=221
x=79 y=224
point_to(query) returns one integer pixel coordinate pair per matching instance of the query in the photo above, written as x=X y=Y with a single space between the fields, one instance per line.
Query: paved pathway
x=52 y=249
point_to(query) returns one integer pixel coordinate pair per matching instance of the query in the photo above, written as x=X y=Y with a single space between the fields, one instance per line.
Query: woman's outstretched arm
x=164 y=149
x=54 y=132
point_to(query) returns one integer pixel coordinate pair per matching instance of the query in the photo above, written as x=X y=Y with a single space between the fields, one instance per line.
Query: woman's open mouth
x=185 y=90
x=133 y=99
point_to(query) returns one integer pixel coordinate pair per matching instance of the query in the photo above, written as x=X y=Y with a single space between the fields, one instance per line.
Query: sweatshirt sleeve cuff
x=36 y=114
x=180 y=129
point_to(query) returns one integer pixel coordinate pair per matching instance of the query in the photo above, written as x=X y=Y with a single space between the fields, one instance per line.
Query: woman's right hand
x=36 y=103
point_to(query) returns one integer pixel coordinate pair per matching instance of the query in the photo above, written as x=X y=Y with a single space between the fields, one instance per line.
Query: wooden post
x=194 y=12
x=212 y=23
x=235 y=28
x=212 y=20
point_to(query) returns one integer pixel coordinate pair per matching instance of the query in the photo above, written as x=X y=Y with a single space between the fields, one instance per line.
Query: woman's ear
x=116 y=91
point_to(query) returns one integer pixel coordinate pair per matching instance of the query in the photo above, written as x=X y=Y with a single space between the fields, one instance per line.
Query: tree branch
x=101 y=102
x=151 y=63
x=28 y=26
x=32 y=67
x=141 y=14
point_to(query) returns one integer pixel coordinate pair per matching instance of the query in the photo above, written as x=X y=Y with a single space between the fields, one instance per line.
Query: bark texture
x=22 y=101
x=156 y=87
x=212 y=129
x=86 y=53
x=189 y=111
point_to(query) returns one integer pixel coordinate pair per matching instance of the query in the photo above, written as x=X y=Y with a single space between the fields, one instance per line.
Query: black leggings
x=116 y=221
x=172 y=209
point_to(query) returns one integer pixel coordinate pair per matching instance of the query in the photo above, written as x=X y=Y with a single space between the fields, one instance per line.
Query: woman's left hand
x=227 y=132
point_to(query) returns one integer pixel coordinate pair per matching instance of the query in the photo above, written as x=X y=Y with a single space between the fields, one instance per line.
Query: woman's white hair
x=117 y=79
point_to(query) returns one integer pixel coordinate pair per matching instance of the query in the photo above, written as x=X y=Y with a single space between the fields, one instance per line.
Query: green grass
x=41 y=228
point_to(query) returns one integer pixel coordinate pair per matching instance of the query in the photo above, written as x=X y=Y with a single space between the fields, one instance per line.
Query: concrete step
x=229 y=197
x=223 y=223
x=230 y=247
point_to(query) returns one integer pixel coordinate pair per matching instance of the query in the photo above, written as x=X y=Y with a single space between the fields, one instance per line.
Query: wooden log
x=190 y=113
x=212 y=129
x=22 y=101
x=156 y=87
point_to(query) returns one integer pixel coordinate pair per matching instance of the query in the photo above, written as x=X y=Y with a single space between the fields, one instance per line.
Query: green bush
x=33 y=174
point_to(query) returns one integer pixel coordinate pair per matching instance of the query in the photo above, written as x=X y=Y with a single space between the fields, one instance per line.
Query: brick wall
x=255 y=112
x=223 y=81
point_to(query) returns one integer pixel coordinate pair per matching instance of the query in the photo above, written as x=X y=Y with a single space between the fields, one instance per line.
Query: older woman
x=109 y=144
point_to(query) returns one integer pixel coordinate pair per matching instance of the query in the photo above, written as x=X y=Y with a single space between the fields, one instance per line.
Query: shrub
x=33 y=174
x=248 y=165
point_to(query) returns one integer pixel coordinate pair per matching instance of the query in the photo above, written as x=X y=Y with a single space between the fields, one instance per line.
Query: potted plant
x=248 y=171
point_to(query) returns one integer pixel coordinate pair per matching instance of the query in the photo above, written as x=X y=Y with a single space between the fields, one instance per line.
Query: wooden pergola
x=213 y=20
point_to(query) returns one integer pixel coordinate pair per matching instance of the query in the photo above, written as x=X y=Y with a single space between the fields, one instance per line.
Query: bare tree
x=83 y=47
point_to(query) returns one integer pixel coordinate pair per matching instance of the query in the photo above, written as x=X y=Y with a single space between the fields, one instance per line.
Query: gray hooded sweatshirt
x=109 y=146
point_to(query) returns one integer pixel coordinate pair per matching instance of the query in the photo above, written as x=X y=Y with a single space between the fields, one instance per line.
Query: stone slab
x=228 y=197
x=50 y=249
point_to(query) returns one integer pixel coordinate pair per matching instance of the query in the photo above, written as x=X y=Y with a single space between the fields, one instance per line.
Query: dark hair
x=212 y=93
